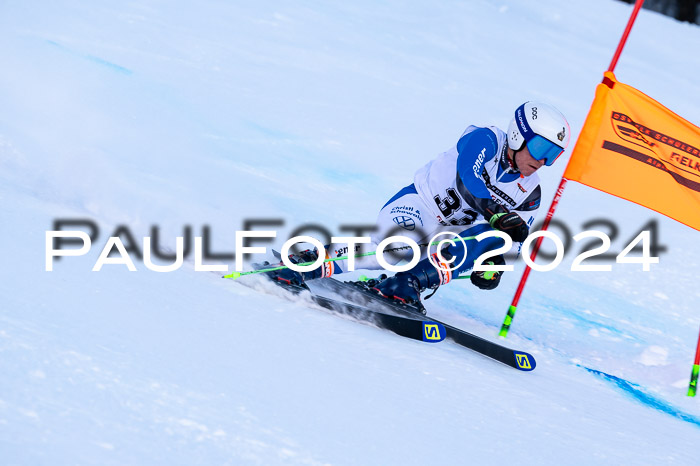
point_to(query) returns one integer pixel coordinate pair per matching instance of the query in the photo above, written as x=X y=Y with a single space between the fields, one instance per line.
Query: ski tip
x=433 y=332
x=524 y=361
x=233 y=275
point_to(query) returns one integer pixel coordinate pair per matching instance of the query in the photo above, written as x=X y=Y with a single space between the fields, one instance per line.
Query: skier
x=486 y=181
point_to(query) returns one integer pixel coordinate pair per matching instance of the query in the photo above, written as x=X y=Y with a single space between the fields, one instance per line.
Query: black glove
x=511 y=224
x=486 y=280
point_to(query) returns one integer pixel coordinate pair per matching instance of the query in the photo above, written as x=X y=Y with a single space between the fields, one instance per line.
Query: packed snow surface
x=208 y=114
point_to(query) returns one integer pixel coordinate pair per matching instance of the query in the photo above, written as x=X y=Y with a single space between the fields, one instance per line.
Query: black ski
x=358 y=292
x=418 y=327
x=406 y=326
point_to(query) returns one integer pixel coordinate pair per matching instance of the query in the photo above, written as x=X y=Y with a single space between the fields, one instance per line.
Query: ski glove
x=511 y=224
x=486 y=280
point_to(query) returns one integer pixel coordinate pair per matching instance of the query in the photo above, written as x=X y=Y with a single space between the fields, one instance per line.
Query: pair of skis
x=406 y=321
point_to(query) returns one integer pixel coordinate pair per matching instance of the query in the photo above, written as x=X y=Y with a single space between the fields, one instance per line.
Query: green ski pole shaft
x=236 y=275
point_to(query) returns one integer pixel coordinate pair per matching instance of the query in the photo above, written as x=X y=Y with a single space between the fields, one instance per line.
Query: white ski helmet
x=543 y=128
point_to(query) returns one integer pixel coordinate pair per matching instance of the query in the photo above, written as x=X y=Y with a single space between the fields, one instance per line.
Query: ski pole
x=236 y=275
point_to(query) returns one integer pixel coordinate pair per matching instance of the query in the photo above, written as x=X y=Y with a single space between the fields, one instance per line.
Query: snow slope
x=208 y=114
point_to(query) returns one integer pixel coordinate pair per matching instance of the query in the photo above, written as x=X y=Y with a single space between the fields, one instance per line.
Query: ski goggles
x=543 y=149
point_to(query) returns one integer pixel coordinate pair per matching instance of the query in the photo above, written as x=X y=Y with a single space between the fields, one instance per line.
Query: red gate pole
x=625 y=35
x=514 y=305
x=555 y=202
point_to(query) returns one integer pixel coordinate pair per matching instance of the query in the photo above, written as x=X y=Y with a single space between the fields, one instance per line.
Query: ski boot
x=406 y=287
x=293 y=278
